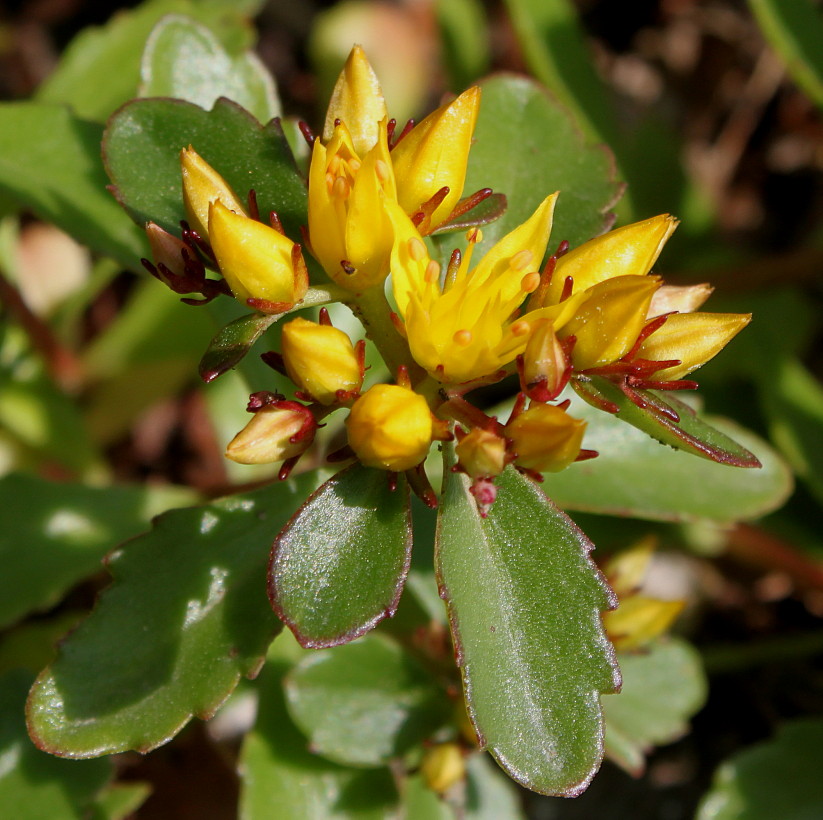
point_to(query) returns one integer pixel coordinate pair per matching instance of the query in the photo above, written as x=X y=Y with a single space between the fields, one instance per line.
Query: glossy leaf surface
x=185 y=617
x=365 y=703
x=634 y=475
x=34 y=785
x=60 y=177
x=183 y=59
x=679 y=426
x=53 y=535
x=524 y=602
x=100 y=70
x=277 y=769
x=663 y=686
x=232 y=343
x=777 y=778
x=338 y=568
x=142 y=145
x=513 y=155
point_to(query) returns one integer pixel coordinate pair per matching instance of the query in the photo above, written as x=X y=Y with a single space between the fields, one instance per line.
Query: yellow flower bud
x=434 y=154
x=693 y=338
x=545 y=364
x=481 y=453
x=627 y=570
x=638 y=619
x=357 y=100
x=257 y=261
x=390 y=427
x=545 y=438
x=443 y=765
x=320 y=360
x=277 y=432
x=610 y=319
x=349 y=231
x=679 y=298
x=627 y=251
x=202 y=185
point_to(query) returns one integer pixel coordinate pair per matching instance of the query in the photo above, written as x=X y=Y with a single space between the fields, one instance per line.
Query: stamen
x=341 y=188
x=451 y=270
x=381 y=169
x=334 y=165
x=354 y=165
x=521 y=260
x=462 y=338
x=474 y=235
x=521 y=328
x=529 y=283
x=568 y=286
x=432 y=273
x=417 y=250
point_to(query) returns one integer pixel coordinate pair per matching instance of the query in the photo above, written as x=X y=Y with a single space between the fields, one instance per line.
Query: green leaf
x=365 y=703
x=185 y=617
x=53 y=535
x=100 y=70
x=278 y=770
x=778 y=778
x=663 y=686
x=141 y=149
x=524 y=602
x=668 y=420
x=34 y=785
x=635 y=476
x=59 y=176
x=183 y=59
x=555 y=48
x=794 y=29
x=527 y=146
x=489 y=795
x=338 y=567
x=119 y=801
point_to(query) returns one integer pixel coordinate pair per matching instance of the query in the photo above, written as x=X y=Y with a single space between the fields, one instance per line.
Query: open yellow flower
x=465 y=329
x=349 y=231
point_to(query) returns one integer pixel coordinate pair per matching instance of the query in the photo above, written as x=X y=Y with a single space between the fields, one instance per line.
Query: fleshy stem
x=372 y=308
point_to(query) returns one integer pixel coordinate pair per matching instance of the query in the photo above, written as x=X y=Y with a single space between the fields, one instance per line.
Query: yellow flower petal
x=435 y=155
x=679 y=298
x=638 y=620
x=693 y=338
x=267 y=438
x=255 y=260
x=357 y=101
x=627 y=251
x=202 y=185
x=545 y=438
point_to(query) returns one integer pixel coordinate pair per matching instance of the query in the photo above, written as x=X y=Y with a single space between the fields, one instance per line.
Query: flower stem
x=372 y=309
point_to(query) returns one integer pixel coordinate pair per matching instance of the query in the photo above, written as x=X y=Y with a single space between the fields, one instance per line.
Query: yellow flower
x=691 y=338
x=608 y=322
x=202 y=186
x=481 y=453
x=357 y=100
x=465 y=329
x=321 y=360
x=349 y=231
x=627 y=251
x=277 y=432
x=434 y=155
x=442 y=766
x=258 y=262
x=546 y=438
x=390 y=427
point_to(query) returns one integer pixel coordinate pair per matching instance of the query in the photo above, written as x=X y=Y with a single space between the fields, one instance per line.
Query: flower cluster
x=374 y=196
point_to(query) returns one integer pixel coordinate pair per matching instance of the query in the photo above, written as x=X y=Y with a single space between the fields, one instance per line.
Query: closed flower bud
x=545 y=438
x=481 y=453
x=442 y=766
x=627 y=251
x=679 y=298
x=277 y=432
x=390 y=427
x=545 y=364
x=639 y=619
x=320 y=360
x=202 y=185
x=435 y=154
x=257 y=261
x=693 y=338
x=609 y=321
x=166 y=250
x=357 y=100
